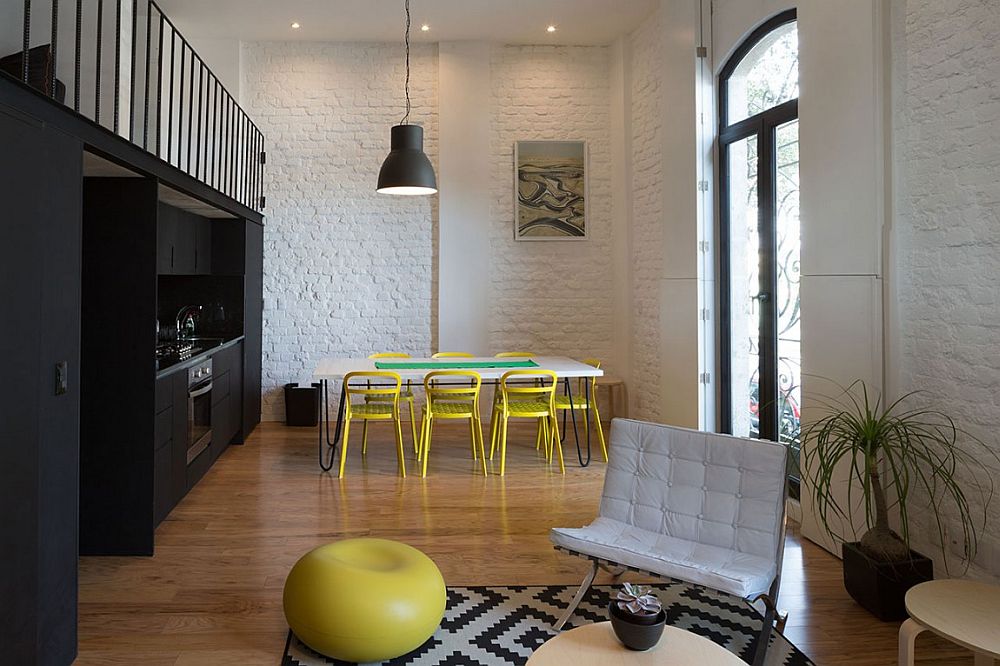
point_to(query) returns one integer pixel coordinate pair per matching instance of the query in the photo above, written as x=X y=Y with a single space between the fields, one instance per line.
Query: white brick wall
x=948 y=217
x=346 y=271
x=552 y=297
x=647 y=218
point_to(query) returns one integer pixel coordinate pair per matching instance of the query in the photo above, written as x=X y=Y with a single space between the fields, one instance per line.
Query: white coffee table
x=963 y=611
x=597 y=644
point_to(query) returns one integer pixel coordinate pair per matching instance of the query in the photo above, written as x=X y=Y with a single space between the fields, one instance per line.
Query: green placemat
x=453 y=365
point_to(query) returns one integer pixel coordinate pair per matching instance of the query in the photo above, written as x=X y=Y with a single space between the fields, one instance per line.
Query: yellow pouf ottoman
x=364 y=599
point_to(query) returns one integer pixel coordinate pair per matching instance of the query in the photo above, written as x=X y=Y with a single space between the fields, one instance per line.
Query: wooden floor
x=211 y=596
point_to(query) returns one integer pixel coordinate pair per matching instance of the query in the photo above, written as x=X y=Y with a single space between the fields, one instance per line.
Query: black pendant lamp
x=407 y=171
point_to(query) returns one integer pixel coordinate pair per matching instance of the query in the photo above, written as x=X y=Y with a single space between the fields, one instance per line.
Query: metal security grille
x=131 y=71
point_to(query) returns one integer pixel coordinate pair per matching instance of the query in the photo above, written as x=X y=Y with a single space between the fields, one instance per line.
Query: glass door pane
x=787 y=266
x=744 y=285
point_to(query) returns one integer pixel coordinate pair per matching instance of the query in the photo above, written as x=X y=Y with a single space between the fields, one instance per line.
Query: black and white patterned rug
x=493 y=626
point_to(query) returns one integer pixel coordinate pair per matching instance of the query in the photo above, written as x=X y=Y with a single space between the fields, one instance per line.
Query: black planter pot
x=636 y=632
x=880 y=587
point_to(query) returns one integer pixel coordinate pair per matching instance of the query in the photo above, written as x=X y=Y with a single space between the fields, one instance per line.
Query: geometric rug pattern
x=502 y=626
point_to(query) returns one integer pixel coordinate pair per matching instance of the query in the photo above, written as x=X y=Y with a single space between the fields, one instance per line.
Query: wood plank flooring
x=211 y=596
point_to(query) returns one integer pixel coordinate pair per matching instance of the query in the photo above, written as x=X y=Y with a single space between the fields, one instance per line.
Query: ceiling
x=504 y=21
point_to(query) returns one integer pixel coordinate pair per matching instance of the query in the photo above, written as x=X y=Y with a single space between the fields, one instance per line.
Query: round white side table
x=963 y=611
x=596 y=644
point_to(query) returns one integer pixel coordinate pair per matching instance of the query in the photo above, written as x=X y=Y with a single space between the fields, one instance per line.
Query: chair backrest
x=439 y=385
x=594 y=363
x=389 y=355
x=452 y=355
x=385 y=383
x=543 y=388
x=704 y=487
x=514 y=354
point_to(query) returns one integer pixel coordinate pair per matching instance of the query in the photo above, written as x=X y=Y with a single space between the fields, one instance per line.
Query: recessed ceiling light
x=551 y=28
x=425 y=27
x=295 y=25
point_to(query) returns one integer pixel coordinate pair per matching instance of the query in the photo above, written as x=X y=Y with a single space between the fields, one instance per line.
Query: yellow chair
x=496 y=394
x=386 y=408
x=452 y=401
x=468 y=396
x=588 y=405
x=364 y=600
x=405 y=395
x=535 y=401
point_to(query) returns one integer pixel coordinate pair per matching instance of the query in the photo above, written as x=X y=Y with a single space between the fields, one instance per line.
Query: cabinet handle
x=196 y=258
x=171 y=256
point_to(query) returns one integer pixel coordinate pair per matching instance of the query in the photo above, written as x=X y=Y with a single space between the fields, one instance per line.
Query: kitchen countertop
x=188 y=362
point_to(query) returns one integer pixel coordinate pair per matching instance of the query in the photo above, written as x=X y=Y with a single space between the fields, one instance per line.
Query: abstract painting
x=550 y=178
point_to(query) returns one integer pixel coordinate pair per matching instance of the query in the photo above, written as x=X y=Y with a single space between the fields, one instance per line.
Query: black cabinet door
x=202 y=245
x=166 y=239
x=163 y=488
x=185 y=260
x=163 y=498
x=178 y=448
x=253 y=325
x=40 y=191
x=222 y=419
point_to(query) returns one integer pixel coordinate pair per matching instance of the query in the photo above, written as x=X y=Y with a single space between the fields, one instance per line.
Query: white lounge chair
x=700 y=507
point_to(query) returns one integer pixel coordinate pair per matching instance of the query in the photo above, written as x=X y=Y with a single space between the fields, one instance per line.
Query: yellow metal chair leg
x=428 y=427
x=343 y=447
x=599 y=428
x=503 y=446
x=399 y=445
x=538 y=435
x=420 y=445
x=413 y=429
x=364 y=437
x=472 y=438
x=557 y=444
x=494 y=431
x=478 y=434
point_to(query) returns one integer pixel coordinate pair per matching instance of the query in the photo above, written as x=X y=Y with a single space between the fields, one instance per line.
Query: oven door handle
x=200 y=390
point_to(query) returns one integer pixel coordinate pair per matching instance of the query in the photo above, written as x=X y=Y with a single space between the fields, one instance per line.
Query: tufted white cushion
x=702 y=507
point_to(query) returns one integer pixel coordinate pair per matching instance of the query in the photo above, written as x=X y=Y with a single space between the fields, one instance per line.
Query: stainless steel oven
x=199 y=409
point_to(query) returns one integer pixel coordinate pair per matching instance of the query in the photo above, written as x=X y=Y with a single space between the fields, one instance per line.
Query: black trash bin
x=301 y=404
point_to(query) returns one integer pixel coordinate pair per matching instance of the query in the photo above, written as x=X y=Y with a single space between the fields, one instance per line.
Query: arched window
x=759 y=236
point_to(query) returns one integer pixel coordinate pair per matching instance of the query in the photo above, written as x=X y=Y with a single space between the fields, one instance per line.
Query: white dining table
x=335 y=369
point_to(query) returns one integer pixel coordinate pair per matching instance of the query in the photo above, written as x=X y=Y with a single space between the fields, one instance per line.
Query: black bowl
x=636 y=632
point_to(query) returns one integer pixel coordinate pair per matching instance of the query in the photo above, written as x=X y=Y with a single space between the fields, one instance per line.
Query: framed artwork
x=550 y=190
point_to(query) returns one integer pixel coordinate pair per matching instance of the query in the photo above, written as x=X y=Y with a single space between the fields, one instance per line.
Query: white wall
x=947 y=225
x=647 y=95
x=347 y=271
x=552 y=297
x=464 y=180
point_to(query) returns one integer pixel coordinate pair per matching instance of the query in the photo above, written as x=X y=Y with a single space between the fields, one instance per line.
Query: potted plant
x=637 y=617
x=897 y=456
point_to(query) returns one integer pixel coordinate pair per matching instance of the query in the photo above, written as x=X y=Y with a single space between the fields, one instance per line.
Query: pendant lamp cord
x=407 y=41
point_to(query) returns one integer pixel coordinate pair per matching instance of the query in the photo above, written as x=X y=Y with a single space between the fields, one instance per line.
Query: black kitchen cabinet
x=40 y=187
x=202 y=244
x=227 y=397
x=170 y=445
x=183 y=242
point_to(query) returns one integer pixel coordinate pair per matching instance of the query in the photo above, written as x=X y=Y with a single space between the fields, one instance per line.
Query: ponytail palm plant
x=897 y=456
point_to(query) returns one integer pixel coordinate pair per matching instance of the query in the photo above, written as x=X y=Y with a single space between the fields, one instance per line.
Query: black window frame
x=763 y=125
